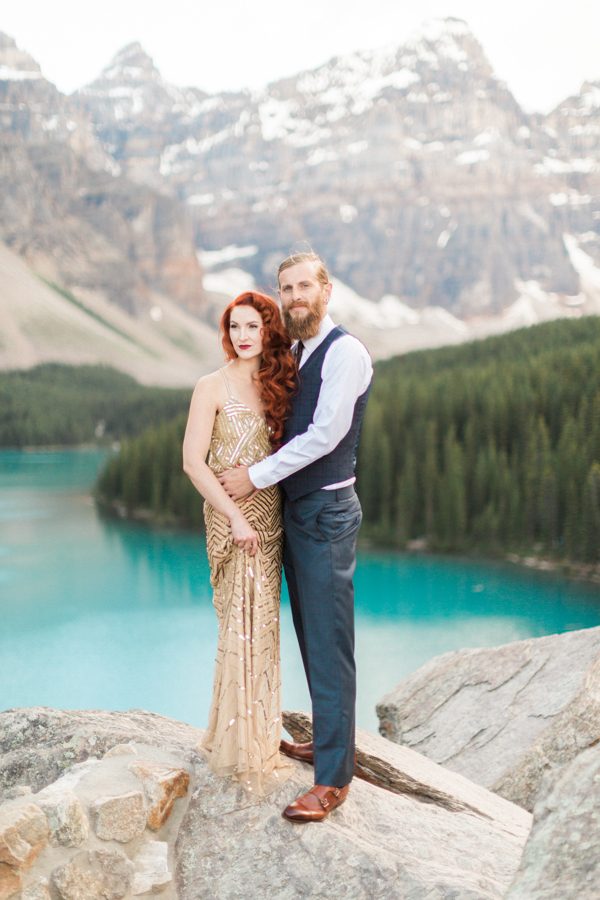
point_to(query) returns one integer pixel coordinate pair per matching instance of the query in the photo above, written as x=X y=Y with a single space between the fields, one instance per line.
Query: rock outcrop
x=561 y=857
x=430 y=834
x=502 y=716
x=106 y=827
x=38 y=745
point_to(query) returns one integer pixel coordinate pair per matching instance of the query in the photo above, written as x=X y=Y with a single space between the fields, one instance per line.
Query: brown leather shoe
x=303 y=752
x=316 y=804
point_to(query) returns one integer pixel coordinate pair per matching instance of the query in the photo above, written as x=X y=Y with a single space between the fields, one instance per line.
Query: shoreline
x=588 y=573
x=61 y=448
x=578 y=571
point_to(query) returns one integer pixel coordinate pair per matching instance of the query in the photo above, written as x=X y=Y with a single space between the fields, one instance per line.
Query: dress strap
x=227 y=385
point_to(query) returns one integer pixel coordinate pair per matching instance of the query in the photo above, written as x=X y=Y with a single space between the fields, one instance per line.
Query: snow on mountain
x=230 y=282
x=211 y=259
x=588 y=271
x=304 y=109
x=9 y=74
x=394 y=313
x=531 y=307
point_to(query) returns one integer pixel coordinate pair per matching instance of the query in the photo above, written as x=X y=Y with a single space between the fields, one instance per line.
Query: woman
x=236 y=418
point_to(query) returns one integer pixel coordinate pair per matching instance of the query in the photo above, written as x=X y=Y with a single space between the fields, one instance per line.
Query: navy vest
x=340 y=463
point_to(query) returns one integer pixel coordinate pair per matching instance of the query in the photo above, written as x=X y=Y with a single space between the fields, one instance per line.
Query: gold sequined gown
x=244 y=726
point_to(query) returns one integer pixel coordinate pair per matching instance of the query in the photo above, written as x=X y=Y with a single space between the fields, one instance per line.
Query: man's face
x=303 y=299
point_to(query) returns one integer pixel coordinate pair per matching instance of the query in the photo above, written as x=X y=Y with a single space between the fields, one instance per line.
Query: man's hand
x=237 y=482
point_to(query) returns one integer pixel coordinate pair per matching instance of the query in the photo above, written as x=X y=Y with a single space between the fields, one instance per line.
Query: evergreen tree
x=407 y=499
x=590 y=515
x=451 y=519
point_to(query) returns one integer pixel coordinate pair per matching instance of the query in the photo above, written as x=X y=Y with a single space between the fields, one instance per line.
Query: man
x=322 y=515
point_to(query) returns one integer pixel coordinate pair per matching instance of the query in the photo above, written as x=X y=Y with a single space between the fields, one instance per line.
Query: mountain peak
x=132 y=52
x=7 y=42
x=435 y=28
x=446 y=43
x=590 y=93
x=585 y=103
x=15 y=64
x=131 y=64
x=448 y=39
x=131 y=87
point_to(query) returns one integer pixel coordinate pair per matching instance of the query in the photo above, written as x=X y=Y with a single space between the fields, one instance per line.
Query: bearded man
x=322 y=514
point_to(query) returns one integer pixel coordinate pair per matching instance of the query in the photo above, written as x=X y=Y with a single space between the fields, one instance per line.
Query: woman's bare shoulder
x=210 y=388
x=210 y=379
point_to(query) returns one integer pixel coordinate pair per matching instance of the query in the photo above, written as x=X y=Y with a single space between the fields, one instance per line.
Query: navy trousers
x=319 y=560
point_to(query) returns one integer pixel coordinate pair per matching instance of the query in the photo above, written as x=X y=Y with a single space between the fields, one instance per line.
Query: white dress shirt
x=346 y=374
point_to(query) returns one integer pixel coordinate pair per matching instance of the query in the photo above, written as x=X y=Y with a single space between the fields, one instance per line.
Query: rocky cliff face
x=68 y=210
x=413 y=170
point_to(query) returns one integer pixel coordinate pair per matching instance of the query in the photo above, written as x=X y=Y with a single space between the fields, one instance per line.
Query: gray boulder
x=106 y=874
x=562 y=857
x=502 y=716
x=38 y=744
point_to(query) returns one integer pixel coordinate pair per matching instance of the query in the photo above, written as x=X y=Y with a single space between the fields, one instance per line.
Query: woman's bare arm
x=198 y=432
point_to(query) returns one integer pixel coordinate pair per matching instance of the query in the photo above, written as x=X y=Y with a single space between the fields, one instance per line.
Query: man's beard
x=307 y=326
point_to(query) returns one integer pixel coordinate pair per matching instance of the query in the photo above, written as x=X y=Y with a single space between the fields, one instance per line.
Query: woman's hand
x=244 y=536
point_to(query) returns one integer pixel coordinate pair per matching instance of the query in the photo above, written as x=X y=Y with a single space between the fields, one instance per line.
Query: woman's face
x=246 y=331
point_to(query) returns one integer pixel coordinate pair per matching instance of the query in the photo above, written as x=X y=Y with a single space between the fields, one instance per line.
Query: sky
x=543 y=51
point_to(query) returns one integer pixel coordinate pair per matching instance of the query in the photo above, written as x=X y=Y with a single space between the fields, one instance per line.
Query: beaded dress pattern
x=244 y=726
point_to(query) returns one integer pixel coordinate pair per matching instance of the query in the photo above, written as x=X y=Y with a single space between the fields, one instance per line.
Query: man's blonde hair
x=306 y=256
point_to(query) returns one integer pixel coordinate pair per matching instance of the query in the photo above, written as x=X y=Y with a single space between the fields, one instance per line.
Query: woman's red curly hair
x=277 y=372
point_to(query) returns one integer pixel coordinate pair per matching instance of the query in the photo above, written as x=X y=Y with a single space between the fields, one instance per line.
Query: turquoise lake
x=96 y=613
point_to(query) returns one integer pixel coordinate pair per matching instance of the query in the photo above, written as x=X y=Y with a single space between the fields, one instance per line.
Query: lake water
x=97 y=613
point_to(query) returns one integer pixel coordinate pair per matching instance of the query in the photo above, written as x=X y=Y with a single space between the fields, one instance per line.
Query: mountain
x=574 y=166
x=67 y=209
x=135 y=109
x=575 y=127
x=40 y=322
x=412 y=169
x=444 y=211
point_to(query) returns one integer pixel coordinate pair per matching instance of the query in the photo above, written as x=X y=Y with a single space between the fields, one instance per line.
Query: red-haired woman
x=236 y=418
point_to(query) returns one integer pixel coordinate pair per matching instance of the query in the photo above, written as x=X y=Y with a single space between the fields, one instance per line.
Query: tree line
x=493 y=445
x=55 y=404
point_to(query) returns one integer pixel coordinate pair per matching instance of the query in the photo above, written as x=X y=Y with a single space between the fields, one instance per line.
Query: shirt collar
x=311 y=344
